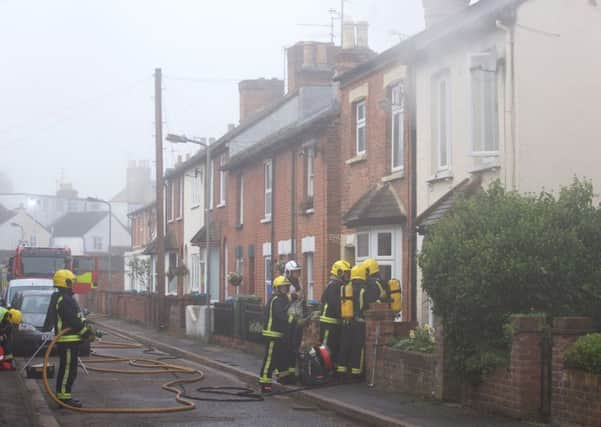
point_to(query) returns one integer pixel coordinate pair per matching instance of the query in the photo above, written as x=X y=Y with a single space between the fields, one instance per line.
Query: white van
x=19 y=285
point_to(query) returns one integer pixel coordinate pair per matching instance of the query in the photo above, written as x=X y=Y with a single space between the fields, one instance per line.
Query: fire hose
x=148 y=367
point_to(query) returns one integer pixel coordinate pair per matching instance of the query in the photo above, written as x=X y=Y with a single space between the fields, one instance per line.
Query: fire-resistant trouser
x=346 y=343
x=329 y=335
x=276 y=360
x=357 y=356
x=296 y=337
x=68 y=354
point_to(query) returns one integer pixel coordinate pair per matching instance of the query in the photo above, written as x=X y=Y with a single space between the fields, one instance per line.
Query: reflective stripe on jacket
x=277 y=320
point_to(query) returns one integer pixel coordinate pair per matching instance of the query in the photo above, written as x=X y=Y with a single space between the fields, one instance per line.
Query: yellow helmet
x=15 y=316
x=371 y=265
x=340 y=266
x=359 y=272
x=61 y=277
x=281 y=281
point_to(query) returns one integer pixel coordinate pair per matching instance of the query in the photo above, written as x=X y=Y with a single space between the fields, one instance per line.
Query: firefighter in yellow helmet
x=376 y=290
x=330 y=321
x=65 y=313
x=9 y=319
x=276 y=330
x=352 y=340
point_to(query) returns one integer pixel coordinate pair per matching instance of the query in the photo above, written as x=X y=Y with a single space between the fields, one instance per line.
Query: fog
x=76 y=93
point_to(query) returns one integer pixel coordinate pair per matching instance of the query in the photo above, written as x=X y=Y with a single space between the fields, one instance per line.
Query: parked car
x=19 y=285
x=30 y=334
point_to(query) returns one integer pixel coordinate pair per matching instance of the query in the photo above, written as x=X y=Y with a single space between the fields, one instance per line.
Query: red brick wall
x=323 y=224
x=514 y=391
x=359 y=177
x=576 y=397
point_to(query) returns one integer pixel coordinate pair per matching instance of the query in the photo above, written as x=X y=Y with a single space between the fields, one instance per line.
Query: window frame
x=360 y=124
x=481 y=115
x=309 y=270
x=222 y=181
x=397 y=109
x=169 y=201
x=310 y=171
x=240 y=207
x=268 y=179
x=97 y=243
x=267 y=274
x=439 y=79
x=395 y=260
x=180 y=197
x=195 y=188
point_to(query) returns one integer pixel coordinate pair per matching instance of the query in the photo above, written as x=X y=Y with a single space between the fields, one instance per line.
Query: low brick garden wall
x=407 y=372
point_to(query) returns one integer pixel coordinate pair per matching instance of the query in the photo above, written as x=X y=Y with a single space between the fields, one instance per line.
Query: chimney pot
x=362 y=34
x=348 y=32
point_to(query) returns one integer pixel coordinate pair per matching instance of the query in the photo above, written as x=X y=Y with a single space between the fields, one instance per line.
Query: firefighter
x=352 y=340
x=330 y=321
x=9 y=319
x=297 y=309
x=376 y=291
x=277 y=332
x=66 y=314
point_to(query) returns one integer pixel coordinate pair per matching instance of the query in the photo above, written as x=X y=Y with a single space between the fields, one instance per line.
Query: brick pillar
x=566 y=330
x=382 y=315
x=526 y=363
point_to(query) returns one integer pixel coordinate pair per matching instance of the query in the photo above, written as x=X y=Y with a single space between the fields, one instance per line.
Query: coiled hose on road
x=149 y=367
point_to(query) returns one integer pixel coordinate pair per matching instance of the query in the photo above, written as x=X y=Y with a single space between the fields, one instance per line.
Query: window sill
x=266 y=221
x=489 y=168
x=239 y=226
x=220 y=205
x=310 y=211
x=358 y=158
x=195 y=207
x=400 y=174
x=441 y=176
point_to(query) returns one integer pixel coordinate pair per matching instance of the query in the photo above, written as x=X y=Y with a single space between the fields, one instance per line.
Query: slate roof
x=378 y=206
x=283 y=136
x=76 y=224
x=170 y=244
x=200 y=239
x=445 y=204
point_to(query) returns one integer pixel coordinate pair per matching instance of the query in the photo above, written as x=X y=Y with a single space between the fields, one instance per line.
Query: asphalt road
x=123 y=390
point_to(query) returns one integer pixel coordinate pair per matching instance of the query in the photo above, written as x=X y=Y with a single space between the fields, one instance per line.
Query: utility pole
x=160 y=240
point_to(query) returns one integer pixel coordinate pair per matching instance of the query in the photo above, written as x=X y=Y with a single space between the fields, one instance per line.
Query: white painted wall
x=75 y=243
x=119 y=234
x=193 y=216
x=33 y=232
x=558 y=78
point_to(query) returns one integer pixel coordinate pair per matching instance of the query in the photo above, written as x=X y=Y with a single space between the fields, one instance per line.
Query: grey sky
x=76 y=86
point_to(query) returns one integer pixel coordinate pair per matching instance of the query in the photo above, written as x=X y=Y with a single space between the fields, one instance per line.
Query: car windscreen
x=37 y=304
x=14 y=290
x=41 y=266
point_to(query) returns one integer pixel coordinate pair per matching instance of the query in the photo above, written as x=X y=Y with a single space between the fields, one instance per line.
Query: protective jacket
x=330 y=302
x=277 y=321
x=68 y=315
x=376 y=291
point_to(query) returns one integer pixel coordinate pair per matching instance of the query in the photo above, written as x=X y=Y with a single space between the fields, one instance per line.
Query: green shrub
x=585 y=354
x=500 y=253
x=420 y=340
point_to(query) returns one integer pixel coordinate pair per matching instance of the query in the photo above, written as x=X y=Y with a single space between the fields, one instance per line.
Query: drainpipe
x=510 y=115
x=273 y=243
x=411 y=225
x=293 y=205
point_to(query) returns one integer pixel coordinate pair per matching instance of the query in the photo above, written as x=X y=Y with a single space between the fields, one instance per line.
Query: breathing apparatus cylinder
x=396 y=296
x=346 y=301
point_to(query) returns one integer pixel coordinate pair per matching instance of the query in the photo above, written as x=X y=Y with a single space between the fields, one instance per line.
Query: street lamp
x=182 y=139
x=96 y=200
x=14 y=224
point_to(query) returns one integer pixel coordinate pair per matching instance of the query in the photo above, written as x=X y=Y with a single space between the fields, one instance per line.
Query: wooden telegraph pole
x=160 y=239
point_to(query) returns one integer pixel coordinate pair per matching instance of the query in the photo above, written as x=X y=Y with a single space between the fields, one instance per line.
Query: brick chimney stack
x=257 y=94
x=436 y=11
x=356 y=49
x=311 y=64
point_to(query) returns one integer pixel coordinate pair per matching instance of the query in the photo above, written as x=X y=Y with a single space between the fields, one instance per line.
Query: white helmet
x=290 y=267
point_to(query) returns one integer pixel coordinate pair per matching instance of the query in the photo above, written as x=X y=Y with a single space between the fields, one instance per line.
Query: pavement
x=355 y=401
x=15 y=409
